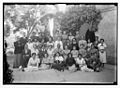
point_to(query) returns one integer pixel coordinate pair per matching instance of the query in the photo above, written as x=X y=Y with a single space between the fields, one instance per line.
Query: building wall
x=108 y=31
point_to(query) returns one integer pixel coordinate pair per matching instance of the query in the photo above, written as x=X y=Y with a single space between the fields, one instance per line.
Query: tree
x=77 y=15
x=7 y=73
x=24 y=16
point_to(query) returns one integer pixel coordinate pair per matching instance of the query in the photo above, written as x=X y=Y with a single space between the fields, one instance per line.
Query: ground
x=52 y=76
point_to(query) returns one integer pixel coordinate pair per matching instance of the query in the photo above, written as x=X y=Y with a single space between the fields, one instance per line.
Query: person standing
x=26 y=55
x=18 y=53
x=102 y=51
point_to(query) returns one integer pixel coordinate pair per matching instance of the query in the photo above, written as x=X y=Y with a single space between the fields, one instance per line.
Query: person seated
x=58 y=50
x=82 y=42
x=77 y=36
x=74 y=43
x=58 y=58
x=74 y=52
x=68 y=44
x=66 y=50
x=33 y=63
x=36 y=43
x=64 y=37
x=58 y=62
x=58 y=42
x=35 y=50
x=94 y=63
x=45 y=62
x=50 y=42
x=26 y=55
x=89 y=45
x=82 y=64
x=82 y=51
x=70 y=37
x=93 y=50
x=42 y=51
x=71 y=63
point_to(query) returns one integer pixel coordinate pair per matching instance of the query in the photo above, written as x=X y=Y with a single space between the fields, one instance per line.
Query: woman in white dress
x=33 y=63
x=102 y=51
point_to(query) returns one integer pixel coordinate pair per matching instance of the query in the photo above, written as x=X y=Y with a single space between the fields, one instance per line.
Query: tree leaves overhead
x=77 y=15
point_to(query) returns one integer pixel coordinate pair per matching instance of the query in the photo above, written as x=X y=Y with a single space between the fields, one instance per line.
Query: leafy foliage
x=77 y=15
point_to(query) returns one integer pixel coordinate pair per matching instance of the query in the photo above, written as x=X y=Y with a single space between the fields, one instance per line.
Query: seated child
x=82 y=64
x=58 y=65
x=58 y=58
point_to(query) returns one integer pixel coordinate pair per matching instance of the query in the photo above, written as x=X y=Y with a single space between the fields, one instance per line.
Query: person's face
x=59 y=39
x=64 y=32
x=74 y=48
x=70 y=55
x=74 y=40
x=101 y=41
x=80 y=56
x=96 y=38
x=92 y=46
x=66 y=47
x=45 y=55
x=77 y=32
x=70 y=34
x=34 y=56
x=35 y=40
x=26 y=46
x=88 y=40
x=57 y=54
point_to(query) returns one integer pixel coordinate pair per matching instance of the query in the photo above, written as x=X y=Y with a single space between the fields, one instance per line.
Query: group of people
x=65 y=52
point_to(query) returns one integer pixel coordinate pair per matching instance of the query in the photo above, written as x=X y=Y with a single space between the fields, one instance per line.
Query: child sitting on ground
x=45 y=62
x=58 y=62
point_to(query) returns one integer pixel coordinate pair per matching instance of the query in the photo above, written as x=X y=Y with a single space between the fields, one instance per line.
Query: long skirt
x=72 y=68
x=86 y=69
x=17 y=61
x=102 y=57
x=25 y=61
x=31 y=68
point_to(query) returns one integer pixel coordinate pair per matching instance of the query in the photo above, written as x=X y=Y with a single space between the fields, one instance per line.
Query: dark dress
x=70 y=61
x=76 y=45
x=18 y=54
x=26 y=56
x=90 y=35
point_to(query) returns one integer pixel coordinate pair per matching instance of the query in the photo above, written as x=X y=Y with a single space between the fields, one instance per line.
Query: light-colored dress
x=32 y=64
x=60 y=58
x=82 y=65
x=102 y=52
x=50 y=55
